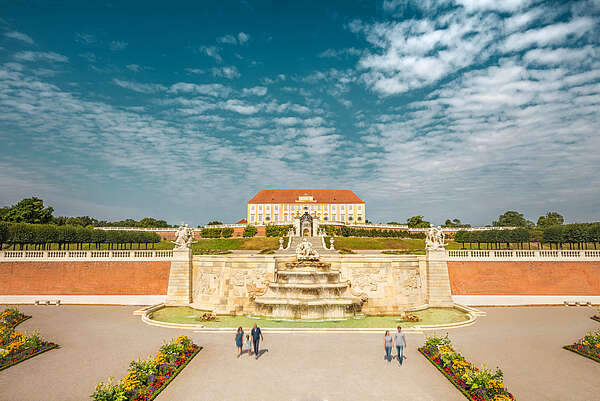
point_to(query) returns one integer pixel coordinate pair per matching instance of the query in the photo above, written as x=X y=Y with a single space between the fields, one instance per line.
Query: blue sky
x=462 y=108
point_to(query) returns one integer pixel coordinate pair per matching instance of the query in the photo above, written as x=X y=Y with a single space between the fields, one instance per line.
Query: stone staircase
x=316 y=243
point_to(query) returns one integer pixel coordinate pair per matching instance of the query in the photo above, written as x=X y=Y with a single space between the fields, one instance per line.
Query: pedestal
x=438 y=280
x=179 y=292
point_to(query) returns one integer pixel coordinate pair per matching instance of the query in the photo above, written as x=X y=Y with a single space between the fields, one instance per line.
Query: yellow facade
x=283 y=213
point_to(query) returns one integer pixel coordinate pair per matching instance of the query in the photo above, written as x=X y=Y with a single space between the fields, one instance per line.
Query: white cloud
x=255 y=91
x=19 y=36
x=117 y=45
x=211 y=51
x=216 y=90
x=197 y=71
x=85 y=38
x=561 y=55
x=230 y=72
x=333 y=53
x=40 y=56
x=139 y=87
x=229 y=39
x=496 y=5
x=240 y=107
x=550 y=34
x=133 y=67
x=243 y=37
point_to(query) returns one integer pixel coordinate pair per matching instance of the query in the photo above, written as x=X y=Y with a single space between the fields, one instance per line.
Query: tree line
x=33 y=211
x=575 y=236
x=43 y=236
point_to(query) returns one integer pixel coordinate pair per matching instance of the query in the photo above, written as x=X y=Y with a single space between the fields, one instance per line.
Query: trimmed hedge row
x=571 y=234
x=210 y=232
x=371 y=232
x=43 y=235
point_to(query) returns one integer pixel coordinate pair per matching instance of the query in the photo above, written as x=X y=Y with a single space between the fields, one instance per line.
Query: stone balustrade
x=127 y=255
x=523 y=255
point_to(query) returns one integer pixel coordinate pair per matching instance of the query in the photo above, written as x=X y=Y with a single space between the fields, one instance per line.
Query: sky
x=183 y=111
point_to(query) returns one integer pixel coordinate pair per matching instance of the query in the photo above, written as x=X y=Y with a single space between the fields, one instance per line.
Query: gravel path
x=99 y=341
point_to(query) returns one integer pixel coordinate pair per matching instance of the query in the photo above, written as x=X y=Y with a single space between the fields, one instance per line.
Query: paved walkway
x=99 y=341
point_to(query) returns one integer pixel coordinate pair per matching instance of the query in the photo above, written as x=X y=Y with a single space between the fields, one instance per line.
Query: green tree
x=250 y=231
x=417 y=222
x=550 y=219
x=29 y=210
x=512 y=219
x=215 y=223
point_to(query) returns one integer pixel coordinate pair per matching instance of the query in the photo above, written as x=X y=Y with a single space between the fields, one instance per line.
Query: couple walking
x=400 y=341
x=247 y=341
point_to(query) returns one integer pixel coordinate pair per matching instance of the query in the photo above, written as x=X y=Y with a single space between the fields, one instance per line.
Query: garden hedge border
x=575 y=350
x=450 y=379
x=177 y=371
x=41 y=351
x=596 y=318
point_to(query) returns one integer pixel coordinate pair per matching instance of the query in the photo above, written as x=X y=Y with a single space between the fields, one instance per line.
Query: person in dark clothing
x=239 y=340
x=256 y=338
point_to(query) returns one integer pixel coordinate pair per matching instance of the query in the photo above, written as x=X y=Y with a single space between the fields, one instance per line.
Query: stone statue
x=331 y=244
x=305 y=251
x=280 y=243
x=184 y=237
x=434 y=239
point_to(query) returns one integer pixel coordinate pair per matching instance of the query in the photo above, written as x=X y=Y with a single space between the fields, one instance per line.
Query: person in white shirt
x=400 y=341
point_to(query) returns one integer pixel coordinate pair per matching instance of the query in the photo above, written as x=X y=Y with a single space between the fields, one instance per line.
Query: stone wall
x=543 y=278
x=84 y=277
x=229 y=283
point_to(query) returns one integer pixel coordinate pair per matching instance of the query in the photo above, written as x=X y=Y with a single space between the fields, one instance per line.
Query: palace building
x=280 y=206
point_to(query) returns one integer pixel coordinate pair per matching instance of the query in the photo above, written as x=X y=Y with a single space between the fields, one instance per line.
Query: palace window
x=350 y=207
x=253 y=207
x=359 y=218
x=350 y=218
x=325 y=218
x=267 y=218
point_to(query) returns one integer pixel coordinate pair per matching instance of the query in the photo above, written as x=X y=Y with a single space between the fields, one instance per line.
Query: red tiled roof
x=242 y=221
x=319 y=195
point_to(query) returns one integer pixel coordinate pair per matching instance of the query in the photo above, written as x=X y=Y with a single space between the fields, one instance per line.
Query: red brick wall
x=524 y=278
x=84 y=278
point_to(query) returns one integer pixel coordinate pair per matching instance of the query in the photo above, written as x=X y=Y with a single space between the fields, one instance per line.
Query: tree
x=512 y=219
x=215 y=223
x=417 y=222
x=455 y=223
x=29 y=210
x=250 y=231
x=550 y=219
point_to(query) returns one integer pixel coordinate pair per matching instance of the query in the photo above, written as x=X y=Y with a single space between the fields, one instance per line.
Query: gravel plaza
x=99 y=341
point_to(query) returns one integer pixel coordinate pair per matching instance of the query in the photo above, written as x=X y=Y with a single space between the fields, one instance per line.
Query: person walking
x=248 y=345
x=256 y=338
x=400 y=341
x=239 y=340
x=388 y=343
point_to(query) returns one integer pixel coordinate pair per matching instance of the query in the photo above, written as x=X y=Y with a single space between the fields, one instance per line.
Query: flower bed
x=476 y=384
x=596 y=318
x=146 y=379
x=588 y=346
x=16 y=347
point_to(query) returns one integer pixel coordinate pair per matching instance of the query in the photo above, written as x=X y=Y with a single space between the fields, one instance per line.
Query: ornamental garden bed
x=477 y=384
x=596 y=318
x=588 y=346
x=146 y=379
x=15 y=346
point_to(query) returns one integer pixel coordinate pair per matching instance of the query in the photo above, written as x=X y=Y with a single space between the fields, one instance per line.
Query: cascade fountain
x=308 y=289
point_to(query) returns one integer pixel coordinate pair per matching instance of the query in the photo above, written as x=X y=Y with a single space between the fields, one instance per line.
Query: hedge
x=41 y=236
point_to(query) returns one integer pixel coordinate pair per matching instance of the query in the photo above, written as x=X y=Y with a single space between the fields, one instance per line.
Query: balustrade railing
x=523 y=254
x=117 y=254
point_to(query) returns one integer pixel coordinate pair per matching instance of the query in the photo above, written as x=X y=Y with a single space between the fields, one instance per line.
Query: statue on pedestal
x=184 y=237
x=280 y=243
x=434 y=239
x=305 y=251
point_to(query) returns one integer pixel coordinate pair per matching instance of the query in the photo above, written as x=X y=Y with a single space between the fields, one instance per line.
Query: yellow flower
x=445 y=349
x=131 y=381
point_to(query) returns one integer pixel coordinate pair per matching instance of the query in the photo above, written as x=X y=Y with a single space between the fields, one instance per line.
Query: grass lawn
x=184 y=314
x=378 y=243
x=255 y=243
